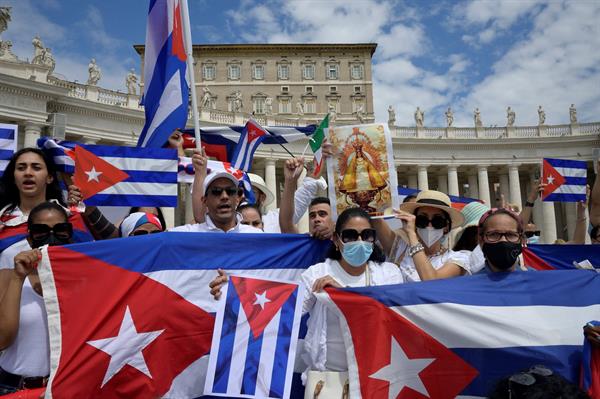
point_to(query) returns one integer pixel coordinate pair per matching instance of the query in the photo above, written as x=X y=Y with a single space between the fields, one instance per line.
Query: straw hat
x=435 y=199
x=259 y=183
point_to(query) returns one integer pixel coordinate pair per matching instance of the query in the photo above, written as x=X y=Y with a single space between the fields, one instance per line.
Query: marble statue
x=332 y=113
x=206 y=100
x=6 y=51
x=48 y=59
x=510 y=117
x=4 y=18
x=419 y=117
x=131 y=82
x=449 y=117
x=269 y=106
x=38 y=50
x=477 y=118
x=391 y=116
x=299 y=108
x=95 y=74
x=541 y=116
x=573 y=113
x=238 y=104
x=360 y=113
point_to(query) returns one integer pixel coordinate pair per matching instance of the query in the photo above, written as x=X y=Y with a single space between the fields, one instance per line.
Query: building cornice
x=257 y=47
x=31 y=88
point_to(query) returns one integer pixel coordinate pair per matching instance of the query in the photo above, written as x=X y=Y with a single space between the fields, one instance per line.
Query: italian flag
x=315 y=144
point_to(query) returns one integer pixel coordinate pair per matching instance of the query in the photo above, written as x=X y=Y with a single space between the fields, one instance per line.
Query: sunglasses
x=368 y=235
x=528 y=378
x=530 y=234
x=62 y=231
x=437 y=222
x=144 y=232
x=218 y=191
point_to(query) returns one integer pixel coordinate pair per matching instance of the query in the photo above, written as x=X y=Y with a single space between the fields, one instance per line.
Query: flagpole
x=187 y=38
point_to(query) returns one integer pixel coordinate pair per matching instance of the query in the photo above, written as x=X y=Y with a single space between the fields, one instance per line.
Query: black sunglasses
x=437 y=222
x=144 y=232
x=530 y=234
x=218 y=191
x=367 y=235
x=62 y=231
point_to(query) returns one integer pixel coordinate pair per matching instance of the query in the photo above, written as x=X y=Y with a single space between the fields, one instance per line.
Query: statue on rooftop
x=94 y=73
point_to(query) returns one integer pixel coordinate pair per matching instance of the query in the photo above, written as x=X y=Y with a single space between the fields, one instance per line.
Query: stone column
x=32 y=134
x=571 y=217
x=484 y=185
x=473 y=186
x=413 y=181
x=515 y=185
x=442 y=183
x=303 y=222
x=422 y=177
x=453 y=181
x=504 y=187
x=549 y=230
x=271 y=181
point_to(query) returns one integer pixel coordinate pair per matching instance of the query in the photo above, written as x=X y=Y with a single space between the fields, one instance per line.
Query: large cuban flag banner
x=457 y=337
x=254 y=340
x=133 y=317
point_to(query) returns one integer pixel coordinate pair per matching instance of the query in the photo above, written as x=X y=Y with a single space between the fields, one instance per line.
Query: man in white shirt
x=221 y=197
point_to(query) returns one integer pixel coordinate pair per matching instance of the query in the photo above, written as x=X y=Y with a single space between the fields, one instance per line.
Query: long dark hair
x=8 y=188
x=335 y=254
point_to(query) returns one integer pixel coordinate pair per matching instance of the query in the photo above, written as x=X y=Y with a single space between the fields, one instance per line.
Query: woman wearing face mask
x=354 y=260
x=25 y=362
x=420 y=250
x=501 y=239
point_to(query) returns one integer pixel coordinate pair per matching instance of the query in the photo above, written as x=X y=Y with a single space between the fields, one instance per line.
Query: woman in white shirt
x=354 y=260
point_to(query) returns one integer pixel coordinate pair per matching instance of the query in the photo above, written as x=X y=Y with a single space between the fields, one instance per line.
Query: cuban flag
x=456 y=202
x=561 y=257
x=126 y=176
x=252 y=135
x=254 y=340
x=61 y=152
x=458 y=337
x=565 y=180
x=185 y=174
x=8 y=144
x=590 y=372
x=166 y=91
x=139 y=321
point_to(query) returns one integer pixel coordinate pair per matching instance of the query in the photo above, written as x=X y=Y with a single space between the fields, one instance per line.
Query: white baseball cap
x=217 y=175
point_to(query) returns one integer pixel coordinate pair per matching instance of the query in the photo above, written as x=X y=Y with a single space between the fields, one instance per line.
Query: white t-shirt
x=29 y=354
x=209 y=227
x=323 y=344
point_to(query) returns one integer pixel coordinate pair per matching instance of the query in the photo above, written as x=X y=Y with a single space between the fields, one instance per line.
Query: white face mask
x=429 y=235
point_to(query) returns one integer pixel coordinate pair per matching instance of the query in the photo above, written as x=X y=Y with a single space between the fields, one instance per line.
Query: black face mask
x=50 y=239
x=503 y=254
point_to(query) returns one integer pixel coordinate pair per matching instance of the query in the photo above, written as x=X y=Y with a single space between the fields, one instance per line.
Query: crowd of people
x=436 y=241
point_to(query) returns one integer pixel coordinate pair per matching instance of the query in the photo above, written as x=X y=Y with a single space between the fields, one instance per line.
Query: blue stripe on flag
x=5 y=155
x=558 y=197
x=575 y=181
x=7 y=134
x=132 y=200
x=230 y=318
x=253 y=352
x=7 y=242
x=494 y=364
x=286 y=323
x=583 y=285
x=566 y=163
x=144 y=176
x=131 y=152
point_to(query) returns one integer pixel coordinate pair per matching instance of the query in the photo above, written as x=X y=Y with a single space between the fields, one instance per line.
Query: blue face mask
x=533 y=240
x=357 y=253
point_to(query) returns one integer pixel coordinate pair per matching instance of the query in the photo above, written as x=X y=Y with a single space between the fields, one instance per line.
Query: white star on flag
x=125 y=348
x=550 y=179
x=93 y=175
x=402 y=372
x=261 y=299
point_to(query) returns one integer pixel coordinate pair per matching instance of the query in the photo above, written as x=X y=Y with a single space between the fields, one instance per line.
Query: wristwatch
x=415 y=249
x=529 y=204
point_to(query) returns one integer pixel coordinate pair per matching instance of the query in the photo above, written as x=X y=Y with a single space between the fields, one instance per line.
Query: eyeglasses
x=527 y=378
x=62 y=231
x=530 y=234
x=218 y=191
x=367 y=235
x=144 y=232
x=437 y=222
x=495 y=236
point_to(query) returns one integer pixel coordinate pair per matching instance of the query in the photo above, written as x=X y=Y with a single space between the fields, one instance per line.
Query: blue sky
x=433 y=54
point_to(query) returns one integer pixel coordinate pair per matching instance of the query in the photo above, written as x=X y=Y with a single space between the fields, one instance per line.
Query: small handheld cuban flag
x=8 y=144
x=254 y=340
x=252 y=135
x=565 y=180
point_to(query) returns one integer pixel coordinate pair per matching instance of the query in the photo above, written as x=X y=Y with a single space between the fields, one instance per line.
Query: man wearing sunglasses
x=221 y=197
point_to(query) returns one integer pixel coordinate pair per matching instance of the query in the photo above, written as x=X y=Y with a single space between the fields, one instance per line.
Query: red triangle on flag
x=93 y=174
x=408 y=362
x=551 y=178
x=254 y=131
x=261 y=300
